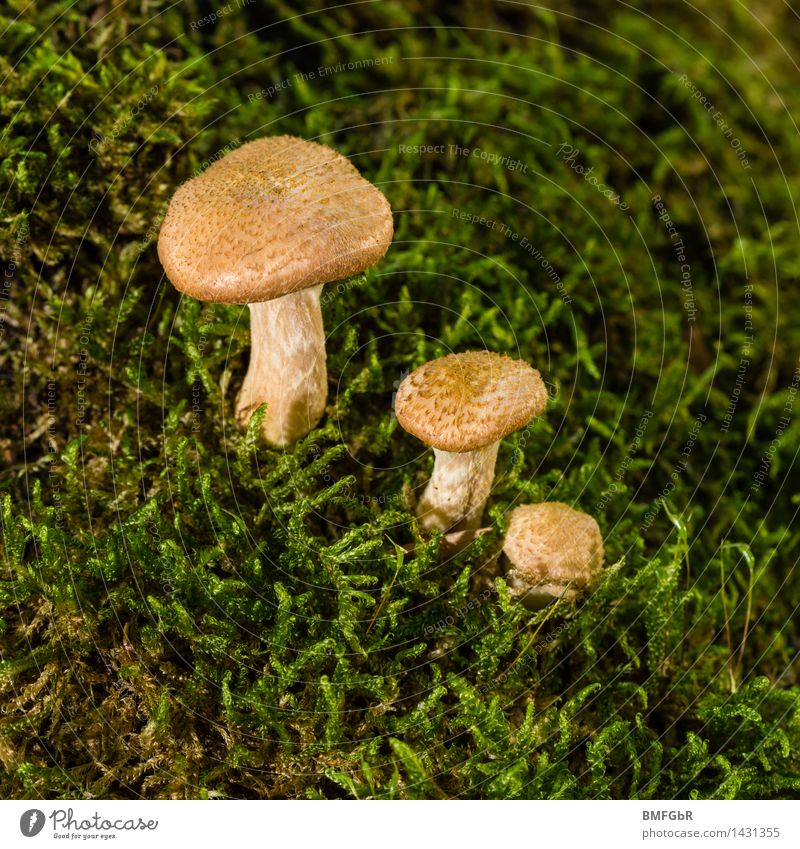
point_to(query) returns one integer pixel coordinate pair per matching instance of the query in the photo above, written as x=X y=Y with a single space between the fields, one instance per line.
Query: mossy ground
x=186 y=613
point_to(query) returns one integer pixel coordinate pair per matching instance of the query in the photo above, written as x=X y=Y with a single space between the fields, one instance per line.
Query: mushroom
x=462 y=405
x=268 y=225
x=551 y=550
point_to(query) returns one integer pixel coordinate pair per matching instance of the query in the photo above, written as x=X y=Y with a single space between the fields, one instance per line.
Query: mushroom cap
x=462 y=402
x=550 y=545
x=274 y=216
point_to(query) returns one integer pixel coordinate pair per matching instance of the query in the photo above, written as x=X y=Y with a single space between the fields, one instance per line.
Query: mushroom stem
x=458 y=489
x=287 y=366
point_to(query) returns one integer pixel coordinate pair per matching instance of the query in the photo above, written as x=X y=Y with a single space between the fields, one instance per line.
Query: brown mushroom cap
x=275 y=216
x=462 y=402
x=552 y=544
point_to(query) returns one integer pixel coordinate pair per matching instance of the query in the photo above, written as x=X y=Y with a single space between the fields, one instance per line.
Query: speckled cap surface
x=462 y=402
x=551 y=543
x=274 y=216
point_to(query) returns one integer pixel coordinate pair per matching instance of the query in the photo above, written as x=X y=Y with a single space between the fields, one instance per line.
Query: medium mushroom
x=462 y=405
x=268 y=225
x=550 y=550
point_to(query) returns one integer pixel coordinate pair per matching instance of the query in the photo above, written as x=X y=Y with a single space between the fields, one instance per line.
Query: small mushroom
x=550 y=550
x=462 y=405
x=268 y=225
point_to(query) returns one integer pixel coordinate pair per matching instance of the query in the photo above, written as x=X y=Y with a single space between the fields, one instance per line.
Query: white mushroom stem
x=287 y=366
x=458 y=489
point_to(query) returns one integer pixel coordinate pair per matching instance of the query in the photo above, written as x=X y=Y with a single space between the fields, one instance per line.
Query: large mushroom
x=462 y=405
x=268 y=225
x=551 y=550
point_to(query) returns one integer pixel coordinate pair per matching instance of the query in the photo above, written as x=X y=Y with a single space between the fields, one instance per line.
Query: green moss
x=187 y=613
